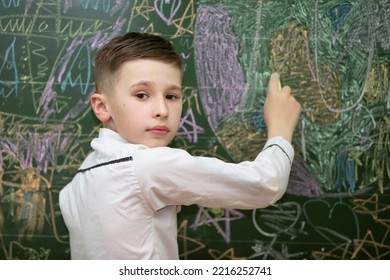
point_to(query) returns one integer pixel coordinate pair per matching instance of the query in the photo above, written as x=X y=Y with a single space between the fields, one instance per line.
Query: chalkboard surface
x=334 y=54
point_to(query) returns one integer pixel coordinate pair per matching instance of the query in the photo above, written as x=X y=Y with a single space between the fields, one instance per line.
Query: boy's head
x=138 y=89
x=129 y=47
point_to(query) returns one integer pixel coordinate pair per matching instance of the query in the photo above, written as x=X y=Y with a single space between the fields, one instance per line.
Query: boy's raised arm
x=281 y=110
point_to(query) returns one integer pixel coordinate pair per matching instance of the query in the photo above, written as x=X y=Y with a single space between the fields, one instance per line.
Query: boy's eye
x=141 y=95
x=171 y=96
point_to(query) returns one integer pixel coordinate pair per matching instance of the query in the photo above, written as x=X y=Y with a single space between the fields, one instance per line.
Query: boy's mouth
x=159 y=130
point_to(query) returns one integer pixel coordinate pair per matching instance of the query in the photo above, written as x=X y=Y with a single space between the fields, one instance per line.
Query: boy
x=123 y=201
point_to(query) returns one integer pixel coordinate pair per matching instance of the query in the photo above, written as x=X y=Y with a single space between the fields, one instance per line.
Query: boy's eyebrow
x=141 y=83
x=148 y=83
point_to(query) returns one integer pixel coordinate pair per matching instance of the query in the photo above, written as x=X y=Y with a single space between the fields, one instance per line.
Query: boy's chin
x=156 y=144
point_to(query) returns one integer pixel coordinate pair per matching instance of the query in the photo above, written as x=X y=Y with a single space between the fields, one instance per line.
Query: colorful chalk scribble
x=334 y=54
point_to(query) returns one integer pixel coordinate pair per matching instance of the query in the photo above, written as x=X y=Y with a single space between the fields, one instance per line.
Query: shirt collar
x=111 y=135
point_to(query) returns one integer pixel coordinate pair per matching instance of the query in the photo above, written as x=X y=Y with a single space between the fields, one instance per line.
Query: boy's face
x=145 y=104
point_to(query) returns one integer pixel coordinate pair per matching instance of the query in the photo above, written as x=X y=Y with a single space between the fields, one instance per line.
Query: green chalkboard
x=334 y=54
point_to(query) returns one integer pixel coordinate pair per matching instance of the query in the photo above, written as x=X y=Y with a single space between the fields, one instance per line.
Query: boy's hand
x=281 y=110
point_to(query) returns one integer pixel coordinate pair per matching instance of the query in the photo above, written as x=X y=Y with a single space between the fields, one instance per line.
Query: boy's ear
x=98 y=103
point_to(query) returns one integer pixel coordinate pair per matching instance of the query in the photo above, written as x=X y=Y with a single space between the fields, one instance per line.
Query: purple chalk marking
x=219 y=75
x=160 y=5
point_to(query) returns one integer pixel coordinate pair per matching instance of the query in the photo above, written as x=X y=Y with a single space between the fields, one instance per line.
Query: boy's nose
x=160 y=109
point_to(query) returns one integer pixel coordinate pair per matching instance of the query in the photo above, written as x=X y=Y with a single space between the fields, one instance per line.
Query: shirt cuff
x=280 y=143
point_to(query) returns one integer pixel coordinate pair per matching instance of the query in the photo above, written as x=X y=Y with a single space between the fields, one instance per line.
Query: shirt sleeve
x=169 y=176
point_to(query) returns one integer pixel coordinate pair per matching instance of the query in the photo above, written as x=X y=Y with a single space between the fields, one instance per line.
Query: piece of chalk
x=280 y=85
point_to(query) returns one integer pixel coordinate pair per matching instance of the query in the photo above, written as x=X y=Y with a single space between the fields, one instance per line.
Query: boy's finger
x=274 y=83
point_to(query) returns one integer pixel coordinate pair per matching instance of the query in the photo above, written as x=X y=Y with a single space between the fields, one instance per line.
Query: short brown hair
x=129 y=47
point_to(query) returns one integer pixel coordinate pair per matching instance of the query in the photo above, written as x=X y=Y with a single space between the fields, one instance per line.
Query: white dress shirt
x=123 y=202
